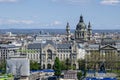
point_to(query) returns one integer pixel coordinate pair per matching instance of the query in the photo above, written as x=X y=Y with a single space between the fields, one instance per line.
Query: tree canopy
x=57 y=67
x=34 y=65
x=3 y=66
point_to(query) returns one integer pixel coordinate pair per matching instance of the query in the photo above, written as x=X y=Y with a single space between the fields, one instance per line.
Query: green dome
x=81 y=25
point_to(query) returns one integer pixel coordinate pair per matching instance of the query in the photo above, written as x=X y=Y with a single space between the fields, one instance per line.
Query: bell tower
x=89 y=31
x=68 y=32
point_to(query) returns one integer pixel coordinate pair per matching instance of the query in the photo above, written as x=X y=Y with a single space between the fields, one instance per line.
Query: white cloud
x=82 y=2
x=27 y=21
x=73 y=1
x=52 y=24
x=110 y=2
x=13 y=22
x=78 y=1
x=11 y=1
x=56 y=23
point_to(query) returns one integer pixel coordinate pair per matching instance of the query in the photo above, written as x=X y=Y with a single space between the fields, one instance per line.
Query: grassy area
x=6 y=77
x=114 y=71
x=117 y=72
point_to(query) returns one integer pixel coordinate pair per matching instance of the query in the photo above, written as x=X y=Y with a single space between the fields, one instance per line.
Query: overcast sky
x=54 y=14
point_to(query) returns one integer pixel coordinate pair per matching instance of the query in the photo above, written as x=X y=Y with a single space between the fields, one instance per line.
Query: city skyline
x=54 y=14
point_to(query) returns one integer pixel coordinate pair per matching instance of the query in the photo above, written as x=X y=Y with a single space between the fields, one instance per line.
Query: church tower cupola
x=68 y=31
x=89 y=26
x=81 y=19
x=67 y=26
x=89 y=31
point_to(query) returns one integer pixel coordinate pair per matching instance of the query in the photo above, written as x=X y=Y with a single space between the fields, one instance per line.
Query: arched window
x=49 y=54
x=48 y=66
x=43 y=66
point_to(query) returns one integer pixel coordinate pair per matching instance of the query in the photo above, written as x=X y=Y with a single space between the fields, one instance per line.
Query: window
x=34 y=56
x=49 y=54
x=28 y=56
x=61 y=56
x=37 y=56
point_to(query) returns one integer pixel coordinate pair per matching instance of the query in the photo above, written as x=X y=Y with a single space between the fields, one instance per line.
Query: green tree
x=57 y=67
x=3 y=66
x=68 y=64
x=63 y=65
x=34 y=65
x=79 y=75
x=81 y=63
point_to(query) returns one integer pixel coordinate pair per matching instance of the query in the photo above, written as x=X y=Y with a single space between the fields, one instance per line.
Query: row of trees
x=94 y=60
x=66 y=65
x=61 y=65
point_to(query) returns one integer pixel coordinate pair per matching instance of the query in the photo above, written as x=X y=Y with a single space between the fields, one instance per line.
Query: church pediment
x=108 y=47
